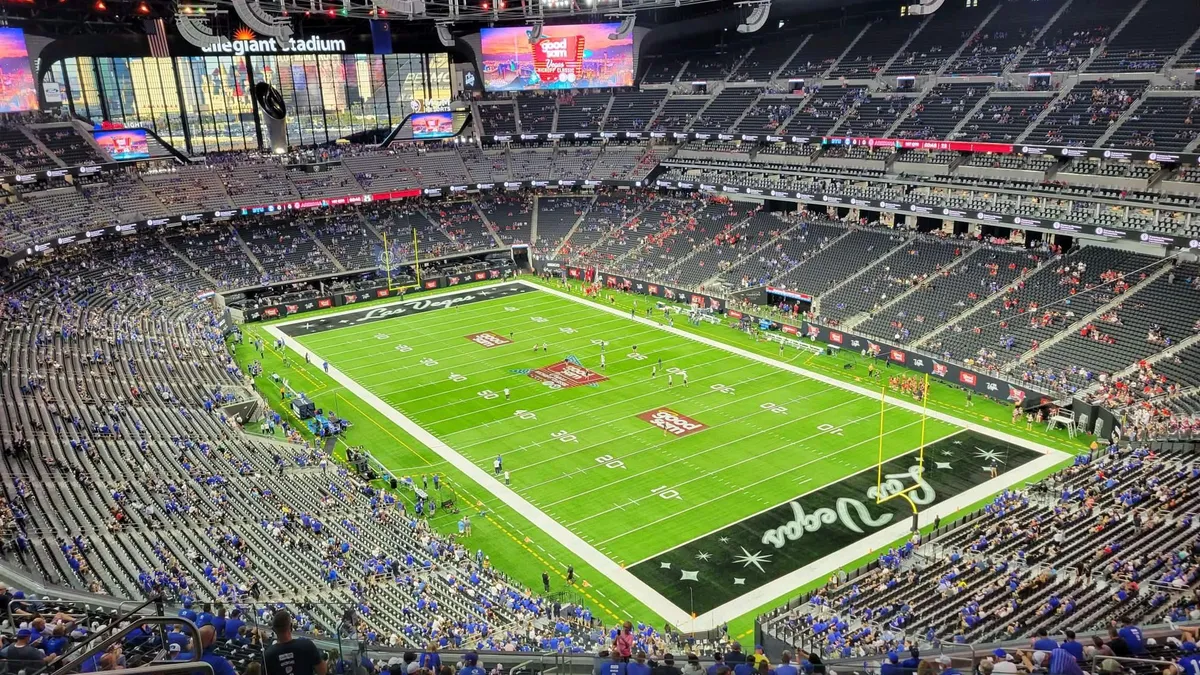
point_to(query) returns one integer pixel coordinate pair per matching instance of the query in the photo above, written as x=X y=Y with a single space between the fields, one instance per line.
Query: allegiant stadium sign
x=273 y=46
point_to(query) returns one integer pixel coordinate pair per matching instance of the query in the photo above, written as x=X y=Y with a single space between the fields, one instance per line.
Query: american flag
x=156 y=35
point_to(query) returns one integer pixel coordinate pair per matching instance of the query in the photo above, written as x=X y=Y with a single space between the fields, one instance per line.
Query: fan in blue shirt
x=638 y=665
x=1043 y=643
x=785 y=666
x=470 y=665
x=1132 y=636
x=1189 y=663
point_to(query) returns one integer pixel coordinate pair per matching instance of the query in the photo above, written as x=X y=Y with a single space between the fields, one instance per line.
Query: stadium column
x=257 y=119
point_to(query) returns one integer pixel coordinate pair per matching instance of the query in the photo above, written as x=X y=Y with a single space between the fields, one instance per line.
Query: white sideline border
x=622 y=577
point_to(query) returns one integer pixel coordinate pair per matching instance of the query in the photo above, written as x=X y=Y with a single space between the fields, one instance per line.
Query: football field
x=705 y=474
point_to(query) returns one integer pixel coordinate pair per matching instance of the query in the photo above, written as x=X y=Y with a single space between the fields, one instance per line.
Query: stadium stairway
x=852 y=322
x=306 y=231
x=1091 y=317
x=1083 y=67
x=894 y=248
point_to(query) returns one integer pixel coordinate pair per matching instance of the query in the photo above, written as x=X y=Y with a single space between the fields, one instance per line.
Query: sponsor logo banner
x=566 y=373
x=488 y=339
x=672 y=422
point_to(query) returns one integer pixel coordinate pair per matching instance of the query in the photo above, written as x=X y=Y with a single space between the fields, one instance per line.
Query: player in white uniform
x=683 y=374
x=602 y=364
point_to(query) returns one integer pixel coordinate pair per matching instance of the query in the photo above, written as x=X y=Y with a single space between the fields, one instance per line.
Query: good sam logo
x=672 y=422
x=488 y=339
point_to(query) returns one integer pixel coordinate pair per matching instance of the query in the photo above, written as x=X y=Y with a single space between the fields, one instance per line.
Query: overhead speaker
x=535 y=32
x=444 y=36
x=274 y=113
x=196 y=30
x=263 y=22
x=409 y=8
x=757 y=18
x=625 y=27
x=925 y=7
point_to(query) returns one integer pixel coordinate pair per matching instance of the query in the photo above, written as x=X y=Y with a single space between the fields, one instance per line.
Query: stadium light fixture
x=757 y=18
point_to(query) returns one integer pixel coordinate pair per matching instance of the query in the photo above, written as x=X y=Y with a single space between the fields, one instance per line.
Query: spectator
x=735 y=655
x=1132 y=636
x=638 y=665
x=1042 y=641
x=291 y=656
x=21 y=654
x=718 y=664
x=1073 y=647
x=667 y=667
x=471 y=665
x=209 y=655
x=692 y=667
x=614 y=666
x=946 y=665
x=623 y=643
x=785 y=665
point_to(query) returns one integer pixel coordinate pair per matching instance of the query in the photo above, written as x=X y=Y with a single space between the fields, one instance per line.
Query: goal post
x=389 y=264
x=885 y=491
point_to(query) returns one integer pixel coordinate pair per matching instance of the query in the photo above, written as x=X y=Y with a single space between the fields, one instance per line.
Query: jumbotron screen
x=432 y=125
x=123 y=144
x=578 y=56
x=18 y=92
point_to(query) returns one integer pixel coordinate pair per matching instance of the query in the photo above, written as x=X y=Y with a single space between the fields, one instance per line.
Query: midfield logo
x=566 y=373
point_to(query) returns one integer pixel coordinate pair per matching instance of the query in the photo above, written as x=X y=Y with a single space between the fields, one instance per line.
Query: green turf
x=748 y=458
x=585 y=458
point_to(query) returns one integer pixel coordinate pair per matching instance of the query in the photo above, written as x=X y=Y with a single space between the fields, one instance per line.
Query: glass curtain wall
x=203 y=104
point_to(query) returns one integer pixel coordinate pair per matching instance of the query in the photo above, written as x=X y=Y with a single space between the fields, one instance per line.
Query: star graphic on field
x=747 y=558
x=703 y=556
x=307 y=326
x=664 y=565
x=724 y=540
x=739 y=581
x=942 y=465
x=688 y=576
x=958 y=442
x=947 y=453
x=990 y=455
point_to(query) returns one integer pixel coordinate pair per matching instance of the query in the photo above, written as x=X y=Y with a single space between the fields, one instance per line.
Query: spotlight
x=143 y=8
x=100 y=6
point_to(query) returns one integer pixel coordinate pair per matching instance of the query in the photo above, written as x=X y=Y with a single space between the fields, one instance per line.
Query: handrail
x=170 y=667
x=80 y=646
x=88 y=651
x=197 y=645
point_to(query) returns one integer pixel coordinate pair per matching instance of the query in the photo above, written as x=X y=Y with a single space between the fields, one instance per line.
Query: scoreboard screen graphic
x=574 y=56
x=123 y=144
x=18 y=93
x=432 y=125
